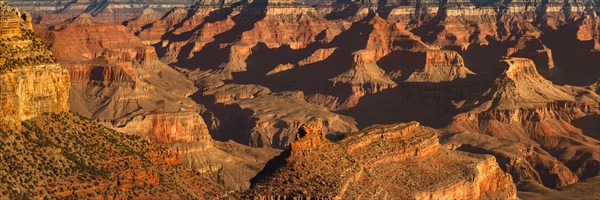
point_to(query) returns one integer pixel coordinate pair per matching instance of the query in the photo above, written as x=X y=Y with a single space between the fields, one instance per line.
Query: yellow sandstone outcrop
x=31 y=83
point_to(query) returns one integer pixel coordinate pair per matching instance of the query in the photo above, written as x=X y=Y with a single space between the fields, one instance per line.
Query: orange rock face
x=354 y=58
x=170 y=127
x=31 y=82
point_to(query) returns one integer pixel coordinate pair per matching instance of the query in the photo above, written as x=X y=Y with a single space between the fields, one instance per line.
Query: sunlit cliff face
x=31 y=82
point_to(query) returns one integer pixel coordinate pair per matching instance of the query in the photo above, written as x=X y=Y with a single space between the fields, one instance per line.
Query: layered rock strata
x=524 y=107
x=392 y=61
x=113 y=11
x=526 y=163
x=400 y=160
x=49 y=153
x=120 y=81
x=31 y=82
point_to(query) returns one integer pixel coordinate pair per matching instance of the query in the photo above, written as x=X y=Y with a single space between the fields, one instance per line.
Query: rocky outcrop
x=49 y=153
x=523 y=107
x=169 y=127
x=264 y=66
x=588 y=29
x=364 y=77
x=548 y=127
x=31 y=82
x=13 y=21
x=440 y=66
x=120 y=82
x=142 y=20
x=533 y=48
x=580 y=190
x=521 y=86
x=213 y=28
x=150 y=29
x=31 y=91
x=379 y=162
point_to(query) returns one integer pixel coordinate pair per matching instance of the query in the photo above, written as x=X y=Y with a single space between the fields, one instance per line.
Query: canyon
x=455 y=99
x=119 y=81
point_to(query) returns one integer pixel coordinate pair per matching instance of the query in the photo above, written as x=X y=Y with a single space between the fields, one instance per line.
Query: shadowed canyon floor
x=482 y=99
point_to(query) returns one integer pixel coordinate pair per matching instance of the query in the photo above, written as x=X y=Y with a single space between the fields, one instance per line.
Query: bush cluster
x=16 y=55
x=67 y=156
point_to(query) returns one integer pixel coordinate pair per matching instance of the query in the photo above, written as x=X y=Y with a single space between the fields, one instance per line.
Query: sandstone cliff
x=31 y=82
x=31 y=91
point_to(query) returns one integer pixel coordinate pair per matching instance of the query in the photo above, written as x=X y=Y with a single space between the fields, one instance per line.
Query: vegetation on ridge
x=67 y=156
x=23 y=51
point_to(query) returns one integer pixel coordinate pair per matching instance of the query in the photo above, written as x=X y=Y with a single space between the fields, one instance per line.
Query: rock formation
x=440 y=66
x=14 y=23
x=521 y=106
x=318 y=44
x=118 y=80
x=383 y=161
x=580 y=190
x=519 y=85
x=523 y=162
x=229 y=164
x=31 y=82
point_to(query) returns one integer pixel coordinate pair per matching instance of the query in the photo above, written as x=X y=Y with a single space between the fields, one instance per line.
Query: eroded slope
x=67 y=156
x=391 y=161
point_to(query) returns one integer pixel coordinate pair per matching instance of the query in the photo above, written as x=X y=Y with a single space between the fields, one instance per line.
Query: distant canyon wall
x=52 y=11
